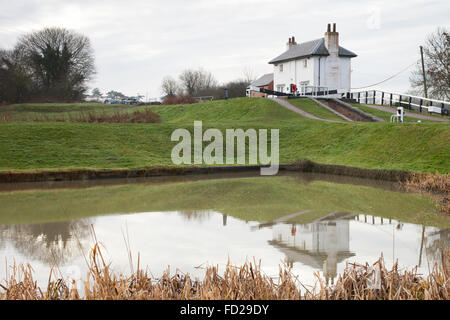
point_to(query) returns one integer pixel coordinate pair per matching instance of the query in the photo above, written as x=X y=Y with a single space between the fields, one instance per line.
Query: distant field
x=50 y=145
x=32 y=111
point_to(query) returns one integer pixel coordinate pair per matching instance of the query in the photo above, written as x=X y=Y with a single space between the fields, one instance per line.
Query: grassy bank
x=32 y=146
x=405 y=106
x=385 y=115
x=313 y=108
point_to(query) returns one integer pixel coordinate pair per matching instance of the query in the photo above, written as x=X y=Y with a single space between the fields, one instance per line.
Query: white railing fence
x=410 y=102
x=204 y=98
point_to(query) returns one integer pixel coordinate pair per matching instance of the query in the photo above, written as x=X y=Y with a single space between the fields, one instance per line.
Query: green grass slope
x=385 y=115
x=50 y=145
x=313 y=108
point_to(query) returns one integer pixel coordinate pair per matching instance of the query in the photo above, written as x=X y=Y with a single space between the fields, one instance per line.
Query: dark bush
x=180 y=99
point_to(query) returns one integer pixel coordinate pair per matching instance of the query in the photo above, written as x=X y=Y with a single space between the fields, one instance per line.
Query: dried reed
x=358 y=282
x=430 y=182
x=438 y=184
x=144 y=116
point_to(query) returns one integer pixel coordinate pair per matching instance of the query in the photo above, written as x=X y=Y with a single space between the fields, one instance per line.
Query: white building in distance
x=317 y=63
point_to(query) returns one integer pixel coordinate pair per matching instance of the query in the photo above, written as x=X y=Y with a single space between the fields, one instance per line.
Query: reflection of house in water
x=321 y=244
x=435 y=241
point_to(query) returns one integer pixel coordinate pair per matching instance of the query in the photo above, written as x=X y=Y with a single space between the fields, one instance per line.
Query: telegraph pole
x=423 y=73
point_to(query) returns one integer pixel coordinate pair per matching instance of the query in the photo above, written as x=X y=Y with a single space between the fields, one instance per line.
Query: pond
x=310 y=222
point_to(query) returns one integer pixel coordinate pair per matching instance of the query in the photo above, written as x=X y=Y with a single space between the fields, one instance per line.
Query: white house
x=317 y=63
x=321 y=245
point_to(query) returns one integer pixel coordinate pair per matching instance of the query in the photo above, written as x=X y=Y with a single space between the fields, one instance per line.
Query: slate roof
x=263 y=81
x=308 y=49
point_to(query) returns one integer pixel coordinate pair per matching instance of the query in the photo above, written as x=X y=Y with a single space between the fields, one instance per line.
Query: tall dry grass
x=179 y=99
x=358 y=282
x=431 y=182
x=139 y=116
x=437 y=184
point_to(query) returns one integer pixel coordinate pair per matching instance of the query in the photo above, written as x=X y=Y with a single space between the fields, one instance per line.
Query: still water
x=312 y=223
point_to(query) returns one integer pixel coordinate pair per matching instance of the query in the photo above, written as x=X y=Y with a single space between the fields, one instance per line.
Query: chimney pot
x=293 y=39
x=329 y=28
x=334 y=27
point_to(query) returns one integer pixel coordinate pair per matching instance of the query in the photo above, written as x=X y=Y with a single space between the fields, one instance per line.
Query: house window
x=305 y=63
x=281 y=67
x=280 y=87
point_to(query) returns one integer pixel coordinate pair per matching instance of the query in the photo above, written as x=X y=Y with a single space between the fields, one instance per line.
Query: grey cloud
x=137 y=43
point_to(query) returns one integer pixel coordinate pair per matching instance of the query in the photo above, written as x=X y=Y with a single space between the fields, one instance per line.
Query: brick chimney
x=291 y=42
x=332 y=40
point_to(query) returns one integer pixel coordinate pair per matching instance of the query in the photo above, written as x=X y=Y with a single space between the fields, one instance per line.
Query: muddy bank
x=299 y=176
x=300 y=166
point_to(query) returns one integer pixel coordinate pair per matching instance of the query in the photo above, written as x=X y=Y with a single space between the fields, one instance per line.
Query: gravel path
x=289 y=106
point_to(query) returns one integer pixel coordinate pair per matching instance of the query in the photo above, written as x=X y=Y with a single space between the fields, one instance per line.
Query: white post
x=400 y=113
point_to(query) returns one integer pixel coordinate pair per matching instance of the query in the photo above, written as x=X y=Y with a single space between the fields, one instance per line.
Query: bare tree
x=206 y=80
x=249 y=75
x=190 y=81
x=61 y=61
x=195 y=81
x=170 y=86
x=437 y=66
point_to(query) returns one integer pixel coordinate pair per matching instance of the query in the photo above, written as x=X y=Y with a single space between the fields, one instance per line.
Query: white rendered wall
x=335 y=73
x=294 y=72
x=346 y=73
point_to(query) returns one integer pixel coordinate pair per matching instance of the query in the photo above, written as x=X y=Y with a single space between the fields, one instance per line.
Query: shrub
x=180 y=99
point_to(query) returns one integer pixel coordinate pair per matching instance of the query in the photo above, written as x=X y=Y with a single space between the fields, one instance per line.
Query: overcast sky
x=137 y=43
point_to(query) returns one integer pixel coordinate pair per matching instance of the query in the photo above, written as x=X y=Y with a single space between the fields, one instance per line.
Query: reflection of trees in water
x=198 y=215
x=54 y=242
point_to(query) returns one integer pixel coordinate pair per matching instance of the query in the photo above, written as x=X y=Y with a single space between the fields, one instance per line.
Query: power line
x=372 y=85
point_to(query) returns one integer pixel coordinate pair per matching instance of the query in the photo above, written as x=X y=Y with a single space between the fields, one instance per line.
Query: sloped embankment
x=348 y=111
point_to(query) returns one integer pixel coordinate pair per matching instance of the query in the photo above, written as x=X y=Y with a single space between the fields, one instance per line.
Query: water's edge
x=300 y=166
